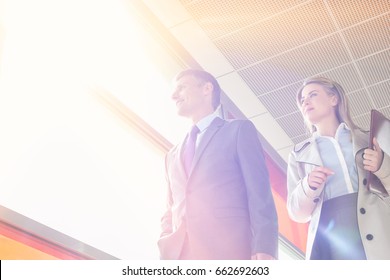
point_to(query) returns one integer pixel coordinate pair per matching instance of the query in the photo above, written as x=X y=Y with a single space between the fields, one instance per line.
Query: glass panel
x=66 y=161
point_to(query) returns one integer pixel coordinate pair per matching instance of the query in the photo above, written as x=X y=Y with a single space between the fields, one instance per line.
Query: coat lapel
x=307 y=152
x=360 y=140
x=178 y=158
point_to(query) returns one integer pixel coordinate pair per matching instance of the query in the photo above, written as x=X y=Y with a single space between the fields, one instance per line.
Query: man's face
x=189 y=95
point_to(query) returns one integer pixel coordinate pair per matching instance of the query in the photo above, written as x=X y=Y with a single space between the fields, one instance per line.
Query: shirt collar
x=341 y=129
x=204 y=123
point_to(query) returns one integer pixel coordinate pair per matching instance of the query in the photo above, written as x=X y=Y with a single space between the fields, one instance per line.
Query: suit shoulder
x=239 y=122
x=241 y=128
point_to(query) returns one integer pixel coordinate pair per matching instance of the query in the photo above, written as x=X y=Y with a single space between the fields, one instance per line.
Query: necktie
x=189 y=149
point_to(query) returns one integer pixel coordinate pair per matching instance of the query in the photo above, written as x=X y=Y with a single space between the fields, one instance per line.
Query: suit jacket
x=224 y=208
x=373 y=209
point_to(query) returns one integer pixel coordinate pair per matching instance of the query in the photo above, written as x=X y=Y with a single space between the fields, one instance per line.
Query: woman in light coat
x=327 y=180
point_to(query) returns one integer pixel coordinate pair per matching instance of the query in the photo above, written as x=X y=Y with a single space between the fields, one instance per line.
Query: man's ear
x=208 y=88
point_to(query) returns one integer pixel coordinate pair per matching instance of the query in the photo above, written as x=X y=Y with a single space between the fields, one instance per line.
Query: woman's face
x=317 y=104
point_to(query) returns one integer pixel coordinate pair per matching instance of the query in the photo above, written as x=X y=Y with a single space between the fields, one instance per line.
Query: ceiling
x=261 y=51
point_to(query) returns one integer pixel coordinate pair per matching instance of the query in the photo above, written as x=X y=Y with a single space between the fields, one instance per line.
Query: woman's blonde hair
x=332 y=88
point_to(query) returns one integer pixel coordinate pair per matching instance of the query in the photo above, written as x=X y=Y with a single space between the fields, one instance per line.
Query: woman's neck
x=328 y=127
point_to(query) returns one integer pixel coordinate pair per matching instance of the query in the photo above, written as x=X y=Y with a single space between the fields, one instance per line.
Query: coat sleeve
x=300 y=199
x=166 y=220
x=262 y=211
x=384 y=172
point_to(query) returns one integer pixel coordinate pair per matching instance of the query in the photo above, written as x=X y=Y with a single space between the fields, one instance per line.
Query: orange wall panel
x=13 y=250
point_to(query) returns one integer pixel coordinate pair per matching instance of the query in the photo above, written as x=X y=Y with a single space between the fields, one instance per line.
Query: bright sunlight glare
x=65 y=160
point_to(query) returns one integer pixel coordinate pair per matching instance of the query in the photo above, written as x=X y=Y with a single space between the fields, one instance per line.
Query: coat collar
x=360 y=140
x=307 y=152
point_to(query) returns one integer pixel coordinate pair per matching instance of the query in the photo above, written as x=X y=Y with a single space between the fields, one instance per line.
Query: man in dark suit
x=220 y=204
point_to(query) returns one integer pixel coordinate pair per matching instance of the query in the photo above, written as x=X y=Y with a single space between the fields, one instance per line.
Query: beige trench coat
x=373 y=208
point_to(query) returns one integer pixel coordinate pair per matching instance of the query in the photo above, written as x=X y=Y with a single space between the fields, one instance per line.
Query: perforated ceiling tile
x=347 y=76
x=218 y=18
x=350 y=12
x=302 y=137
x=309 y=60
x=359 y=103
x=375 y=68
x=363 y=121
x=369 y=37
x=282 y=101
x=278 y=34
x=293 y=124
x=381 y=94
x=386 y=111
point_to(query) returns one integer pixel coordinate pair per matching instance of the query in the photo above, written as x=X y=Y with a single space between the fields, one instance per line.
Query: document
x=380 y=129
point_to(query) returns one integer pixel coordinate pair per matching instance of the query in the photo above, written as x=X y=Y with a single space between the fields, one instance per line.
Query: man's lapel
x=215 y=125
x=179 y=158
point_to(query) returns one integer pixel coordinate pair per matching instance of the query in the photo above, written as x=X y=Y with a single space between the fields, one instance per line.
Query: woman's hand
x=372 y=158
x=317 y=177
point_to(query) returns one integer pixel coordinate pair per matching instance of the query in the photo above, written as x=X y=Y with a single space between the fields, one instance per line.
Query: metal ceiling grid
x=219 y=18
x=317 y=57
x=276 y=35
x=275 y=45
x=375 y=68
x=351 y=12
x=381 y=94
x=369 y=37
